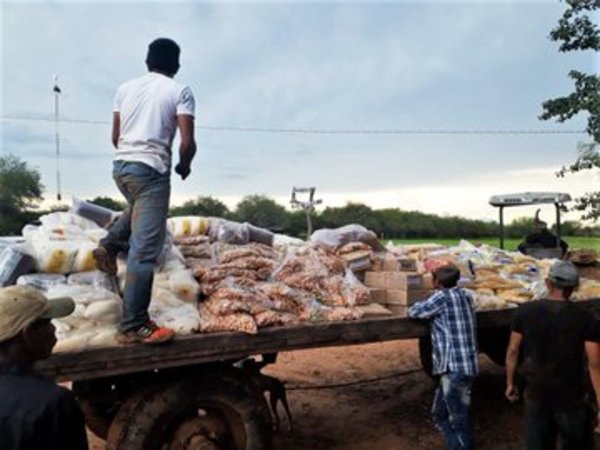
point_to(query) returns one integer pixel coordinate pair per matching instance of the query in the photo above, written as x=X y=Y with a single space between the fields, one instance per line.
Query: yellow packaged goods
x=188 y=226
x=56 y=257
x=515 y=295
x=587 y=289
x=84 y=261
x=406 y=298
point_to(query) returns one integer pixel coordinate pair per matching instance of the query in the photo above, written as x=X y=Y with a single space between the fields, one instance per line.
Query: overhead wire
x=326 y=131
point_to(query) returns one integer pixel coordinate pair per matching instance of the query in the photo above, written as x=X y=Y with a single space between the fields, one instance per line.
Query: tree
x=576 y=31
x=20 y=189
x=262 y=212
x=202 y=206
x=109 y=202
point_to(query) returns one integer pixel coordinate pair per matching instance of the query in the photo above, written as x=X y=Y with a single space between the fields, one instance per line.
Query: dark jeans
x=144 y=225
x=451 y=410
x=543 y=424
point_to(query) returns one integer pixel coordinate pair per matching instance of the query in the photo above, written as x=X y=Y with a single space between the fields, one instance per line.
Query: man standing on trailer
x=147 y=112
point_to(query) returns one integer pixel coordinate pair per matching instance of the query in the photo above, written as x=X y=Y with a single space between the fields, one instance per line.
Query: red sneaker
x=149 y=333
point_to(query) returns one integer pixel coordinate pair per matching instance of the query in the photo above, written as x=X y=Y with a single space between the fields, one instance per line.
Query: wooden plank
x=205 y=348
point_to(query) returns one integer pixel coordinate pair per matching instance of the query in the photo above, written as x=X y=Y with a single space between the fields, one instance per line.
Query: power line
x=365 y=131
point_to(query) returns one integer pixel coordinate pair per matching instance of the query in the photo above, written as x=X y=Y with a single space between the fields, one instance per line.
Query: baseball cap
x=564 y=274
x=20 y=306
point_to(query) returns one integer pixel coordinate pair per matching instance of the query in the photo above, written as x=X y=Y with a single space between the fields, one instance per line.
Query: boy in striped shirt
x=455 y=360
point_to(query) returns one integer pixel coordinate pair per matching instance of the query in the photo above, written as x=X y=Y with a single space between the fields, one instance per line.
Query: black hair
x=447 y=275
x=163 y=56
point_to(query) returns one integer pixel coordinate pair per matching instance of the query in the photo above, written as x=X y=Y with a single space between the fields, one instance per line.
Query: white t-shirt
x=148 y=107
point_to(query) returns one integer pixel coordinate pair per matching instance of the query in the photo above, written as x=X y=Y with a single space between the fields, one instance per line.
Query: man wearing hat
x=147 y=112
x=455 y=360
x=35 y=413
x=554 y=336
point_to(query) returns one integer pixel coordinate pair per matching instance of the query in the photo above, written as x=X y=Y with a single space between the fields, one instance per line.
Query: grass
x=575 y=242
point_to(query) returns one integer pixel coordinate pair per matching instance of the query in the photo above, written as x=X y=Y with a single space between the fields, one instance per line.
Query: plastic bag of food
x=13 y=264
x=104 y=311
x=84 y=260
x=183 y=319
x=353 y=291
x=334 y=238
x=41 y=281
x=93 y=278
x=100 y=215
x=182 y=283
x=188 y=226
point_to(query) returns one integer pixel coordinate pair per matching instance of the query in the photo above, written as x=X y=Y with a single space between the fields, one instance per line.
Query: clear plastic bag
x=41 y=281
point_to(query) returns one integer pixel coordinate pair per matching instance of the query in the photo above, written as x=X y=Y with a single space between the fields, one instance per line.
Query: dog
x=273 y=388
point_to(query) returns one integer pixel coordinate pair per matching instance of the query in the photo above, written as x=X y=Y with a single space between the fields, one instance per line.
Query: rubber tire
x=99 y=404
x=147 y=420
x=425 y=350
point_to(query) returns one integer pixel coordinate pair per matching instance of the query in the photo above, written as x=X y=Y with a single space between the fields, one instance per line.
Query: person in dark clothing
x=35 y=413
x=554 y=336
x=541 y=237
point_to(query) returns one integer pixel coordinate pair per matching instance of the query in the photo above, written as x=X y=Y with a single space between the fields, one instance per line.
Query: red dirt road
x=390 y=414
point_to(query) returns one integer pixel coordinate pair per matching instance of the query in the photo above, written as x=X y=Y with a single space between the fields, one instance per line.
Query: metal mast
x=308 y=206
x=57 y=93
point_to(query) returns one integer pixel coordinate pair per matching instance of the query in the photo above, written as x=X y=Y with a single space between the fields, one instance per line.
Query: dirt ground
x=392 y=413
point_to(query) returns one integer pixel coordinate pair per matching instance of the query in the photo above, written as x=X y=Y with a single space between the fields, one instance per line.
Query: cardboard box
x=396 y=264
x=397 y=310
x=358 y=261
x=378 y=296
x=428 y=281
x=375 y=279
x=406 y=281
x=401 y=297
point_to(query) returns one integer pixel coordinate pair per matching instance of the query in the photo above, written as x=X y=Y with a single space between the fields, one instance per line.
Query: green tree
x=109 y=202
x=263 y=212
x=576 y=31
x=205 y=206
x=20 y=190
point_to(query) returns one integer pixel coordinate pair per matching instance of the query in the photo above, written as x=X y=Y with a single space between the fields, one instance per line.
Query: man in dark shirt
x=35 y=413
x=541 y=237
x=555 y=335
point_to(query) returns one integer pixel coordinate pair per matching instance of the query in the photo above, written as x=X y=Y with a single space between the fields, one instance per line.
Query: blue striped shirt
x=453 y=336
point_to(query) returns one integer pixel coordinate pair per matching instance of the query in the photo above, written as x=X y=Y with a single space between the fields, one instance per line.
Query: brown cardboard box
x=358 y=261
x=397 y=310
x=397 y=264
x=406 y=298
x=375 y=279
x=378 y=296
x=406 y=281
x=428 y=281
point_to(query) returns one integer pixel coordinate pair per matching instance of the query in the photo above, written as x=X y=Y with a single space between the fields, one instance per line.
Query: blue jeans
x=451 y=410
x=543 y=424
x=143 y=225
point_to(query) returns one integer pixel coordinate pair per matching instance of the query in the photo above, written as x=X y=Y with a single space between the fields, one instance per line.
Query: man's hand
x=512 y=393
x=182 y=170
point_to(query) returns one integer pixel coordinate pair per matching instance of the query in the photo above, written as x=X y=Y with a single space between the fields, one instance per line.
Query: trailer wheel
x=205 y=413
x=99 y=400
x=425 y=356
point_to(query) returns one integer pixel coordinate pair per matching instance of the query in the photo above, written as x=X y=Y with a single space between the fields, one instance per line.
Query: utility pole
x=57 y=93
x=308 y=206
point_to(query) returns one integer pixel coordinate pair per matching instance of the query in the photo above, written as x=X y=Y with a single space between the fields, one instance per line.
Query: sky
x=296 y=69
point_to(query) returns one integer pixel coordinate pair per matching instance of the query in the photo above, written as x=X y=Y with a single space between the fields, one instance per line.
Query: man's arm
x=187 y=148
x=116 y=128
x=592 y=350
x=428 y=308
x=512 y=357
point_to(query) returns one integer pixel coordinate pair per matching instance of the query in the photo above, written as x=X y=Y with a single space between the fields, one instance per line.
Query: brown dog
x=269 y=385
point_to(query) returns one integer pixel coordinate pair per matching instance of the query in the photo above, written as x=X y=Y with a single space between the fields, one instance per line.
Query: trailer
x=192 y=394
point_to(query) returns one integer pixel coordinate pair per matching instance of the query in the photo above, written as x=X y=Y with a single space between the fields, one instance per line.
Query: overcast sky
x=401 y=66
